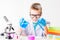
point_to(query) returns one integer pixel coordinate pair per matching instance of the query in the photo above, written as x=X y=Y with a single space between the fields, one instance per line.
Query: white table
x=24 y=38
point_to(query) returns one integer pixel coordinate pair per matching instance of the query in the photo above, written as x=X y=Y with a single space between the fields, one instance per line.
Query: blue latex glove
x=41 y=23
x=23 y=23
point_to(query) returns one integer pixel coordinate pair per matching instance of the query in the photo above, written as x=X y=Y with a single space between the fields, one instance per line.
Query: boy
x=37 y=25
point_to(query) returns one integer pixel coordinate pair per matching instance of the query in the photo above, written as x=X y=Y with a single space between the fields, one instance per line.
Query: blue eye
x=23 y=23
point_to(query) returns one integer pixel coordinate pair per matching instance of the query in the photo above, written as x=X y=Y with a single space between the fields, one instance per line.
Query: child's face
x=35 y=15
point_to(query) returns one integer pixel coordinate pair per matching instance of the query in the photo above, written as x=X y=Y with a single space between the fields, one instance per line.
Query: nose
x=35 y=18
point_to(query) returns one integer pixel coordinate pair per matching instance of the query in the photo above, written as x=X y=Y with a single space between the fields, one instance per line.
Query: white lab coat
x=29 y=30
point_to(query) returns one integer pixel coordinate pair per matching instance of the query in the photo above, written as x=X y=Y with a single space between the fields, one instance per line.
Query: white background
x=15 y=9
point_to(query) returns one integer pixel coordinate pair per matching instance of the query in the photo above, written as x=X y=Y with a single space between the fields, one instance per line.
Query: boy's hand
x=23 y=23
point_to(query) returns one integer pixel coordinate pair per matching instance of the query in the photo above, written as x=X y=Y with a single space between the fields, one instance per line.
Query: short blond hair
x=36 y=6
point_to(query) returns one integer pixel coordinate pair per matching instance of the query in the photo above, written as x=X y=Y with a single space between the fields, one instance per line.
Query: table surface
x=24 y=38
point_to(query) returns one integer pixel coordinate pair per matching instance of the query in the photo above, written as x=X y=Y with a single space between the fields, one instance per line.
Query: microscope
x=8 y=30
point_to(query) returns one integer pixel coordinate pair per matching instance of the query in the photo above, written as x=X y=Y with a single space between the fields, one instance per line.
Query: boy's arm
x=22 y=32
x=23 y=24
x=46 y=30
x=42 y=21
